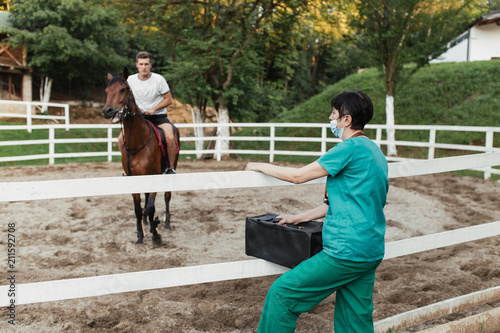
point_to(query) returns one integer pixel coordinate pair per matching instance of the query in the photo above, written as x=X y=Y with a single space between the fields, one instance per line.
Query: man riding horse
x=152 y=95
x=142 y=152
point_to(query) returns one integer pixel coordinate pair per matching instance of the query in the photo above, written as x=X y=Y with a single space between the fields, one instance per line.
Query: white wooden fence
x=45 y=291
x=323 y=139
x=29 y=108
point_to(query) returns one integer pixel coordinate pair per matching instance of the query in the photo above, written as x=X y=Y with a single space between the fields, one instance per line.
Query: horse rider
x=152 y=95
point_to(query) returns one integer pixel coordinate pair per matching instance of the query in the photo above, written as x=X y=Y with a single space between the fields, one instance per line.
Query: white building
x=481 y=41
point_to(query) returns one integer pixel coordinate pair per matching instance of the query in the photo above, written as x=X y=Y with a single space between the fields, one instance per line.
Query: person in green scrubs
x=353 y=230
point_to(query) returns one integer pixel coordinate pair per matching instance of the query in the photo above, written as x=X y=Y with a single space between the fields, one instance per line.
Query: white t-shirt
x=149 y=92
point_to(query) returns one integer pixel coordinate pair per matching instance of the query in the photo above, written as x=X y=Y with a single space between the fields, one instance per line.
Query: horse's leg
x=138 y=215
x=153 y=223
x=168 y=196
x=145 y=213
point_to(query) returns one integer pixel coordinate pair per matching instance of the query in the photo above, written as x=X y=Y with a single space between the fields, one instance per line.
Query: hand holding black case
x=286 y=245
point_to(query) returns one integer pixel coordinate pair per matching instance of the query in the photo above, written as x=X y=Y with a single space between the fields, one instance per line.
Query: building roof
x=493 y=17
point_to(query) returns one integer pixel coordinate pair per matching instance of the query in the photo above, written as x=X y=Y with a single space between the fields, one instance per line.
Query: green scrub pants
x=302 y=288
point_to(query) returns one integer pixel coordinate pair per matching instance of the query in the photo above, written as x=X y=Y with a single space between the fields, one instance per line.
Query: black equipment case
x=287 y=245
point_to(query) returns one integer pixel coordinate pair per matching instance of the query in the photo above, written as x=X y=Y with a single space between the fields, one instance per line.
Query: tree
x=73 y=39
x=321 y=31
x=5 y=5
x=287 y=59
x=493 y=5
x=396 y=33
x=217 y=49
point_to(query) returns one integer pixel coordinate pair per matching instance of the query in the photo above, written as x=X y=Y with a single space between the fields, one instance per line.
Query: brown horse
x=142 y=154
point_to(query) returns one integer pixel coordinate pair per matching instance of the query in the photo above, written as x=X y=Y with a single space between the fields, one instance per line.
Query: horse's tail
x=178 y=144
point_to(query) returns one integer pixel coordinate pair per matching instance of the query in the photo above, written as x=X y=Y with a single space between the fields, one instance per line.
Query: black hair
x=355 y=103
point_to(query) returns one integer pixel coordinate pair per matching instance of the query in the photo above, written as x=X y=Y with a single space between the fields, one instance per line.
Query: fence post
x=51 y=145
x=489 y=149
x=28 y=116
x=271 y=143
x=198 y=132
x=66 y=116
x=323 y=140
x=110 y=144
x=218 y=143
x=432 y=143
x=378 y=136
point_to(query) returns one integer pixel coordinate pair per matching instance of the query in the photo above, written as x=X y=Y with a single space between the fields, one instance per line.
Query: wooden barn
x=15 y=75
x=480 y=41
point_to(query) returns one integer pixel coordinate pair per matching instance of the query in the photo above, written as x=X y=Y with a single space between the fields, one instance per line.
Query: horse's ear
x=110 y=76
x=125 y=73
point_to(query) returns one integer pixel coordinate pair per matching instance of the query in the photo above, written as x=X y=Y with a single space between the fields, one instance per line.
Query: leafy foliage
x=399 y=32
x=493 y=5
x=221 y=46
x=69 y=39
x=256 y=56
x=4 y=4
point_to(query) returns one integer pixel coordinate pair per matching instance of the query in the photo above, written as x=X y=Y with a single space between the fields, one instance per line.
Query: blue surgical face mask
x=336 y=131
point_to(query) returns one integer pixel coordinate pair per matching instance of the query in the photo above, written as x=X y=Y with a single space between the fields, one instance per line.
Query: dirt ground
x=61 y=239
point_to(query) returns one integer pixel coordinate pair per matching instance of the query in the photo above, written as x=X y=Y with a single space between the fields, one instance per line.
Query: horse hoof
x=157 y=239
x=167 y=226
x=154 y=224
x=139 y=241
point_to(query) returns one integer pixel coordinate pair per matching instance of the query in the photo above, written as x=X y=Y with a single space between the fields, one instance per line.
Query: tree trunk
x=391 y=133
x=198 y=132
x=45 y=90
x=222 y=131
x=390 y=75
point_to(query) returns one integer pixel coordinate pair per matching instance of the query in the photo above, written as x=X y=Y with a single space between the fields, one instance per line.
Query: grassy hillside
x=465 y=94
x=447 y=94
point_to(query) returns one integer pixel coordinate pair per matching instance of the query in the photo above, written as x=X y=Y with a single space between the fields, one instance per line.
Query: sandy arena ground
x=61 y=239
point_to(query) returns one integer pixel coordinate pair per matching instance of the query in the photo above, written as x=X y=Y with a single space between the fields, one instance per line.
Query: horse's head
x=117 y=97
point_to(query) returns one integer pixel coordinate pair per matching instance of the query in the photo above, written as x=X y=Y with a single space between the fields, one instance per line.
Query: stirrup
x=169 y=171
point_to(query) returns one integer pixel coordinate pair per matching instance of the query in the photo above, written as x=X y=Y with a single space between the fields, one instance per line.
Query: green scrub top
x=354 y=226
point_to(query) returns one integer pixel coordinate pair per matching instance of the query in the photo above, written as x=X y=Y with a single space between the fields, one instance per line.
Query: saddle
x=162 y=142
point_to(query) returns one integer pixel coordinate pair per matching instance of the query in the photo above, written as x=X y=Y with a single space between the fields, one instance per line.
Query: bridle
x=124 y=113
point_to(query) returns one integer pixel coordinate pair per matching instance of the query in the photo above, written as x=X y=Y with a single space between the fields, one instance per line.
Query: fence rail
x=323 y=139
x=45 y=291
x=29 y=108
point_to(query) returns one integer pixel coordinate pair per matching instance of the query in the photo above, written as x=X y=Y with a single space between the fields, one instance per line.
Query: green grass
x=43 y=134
